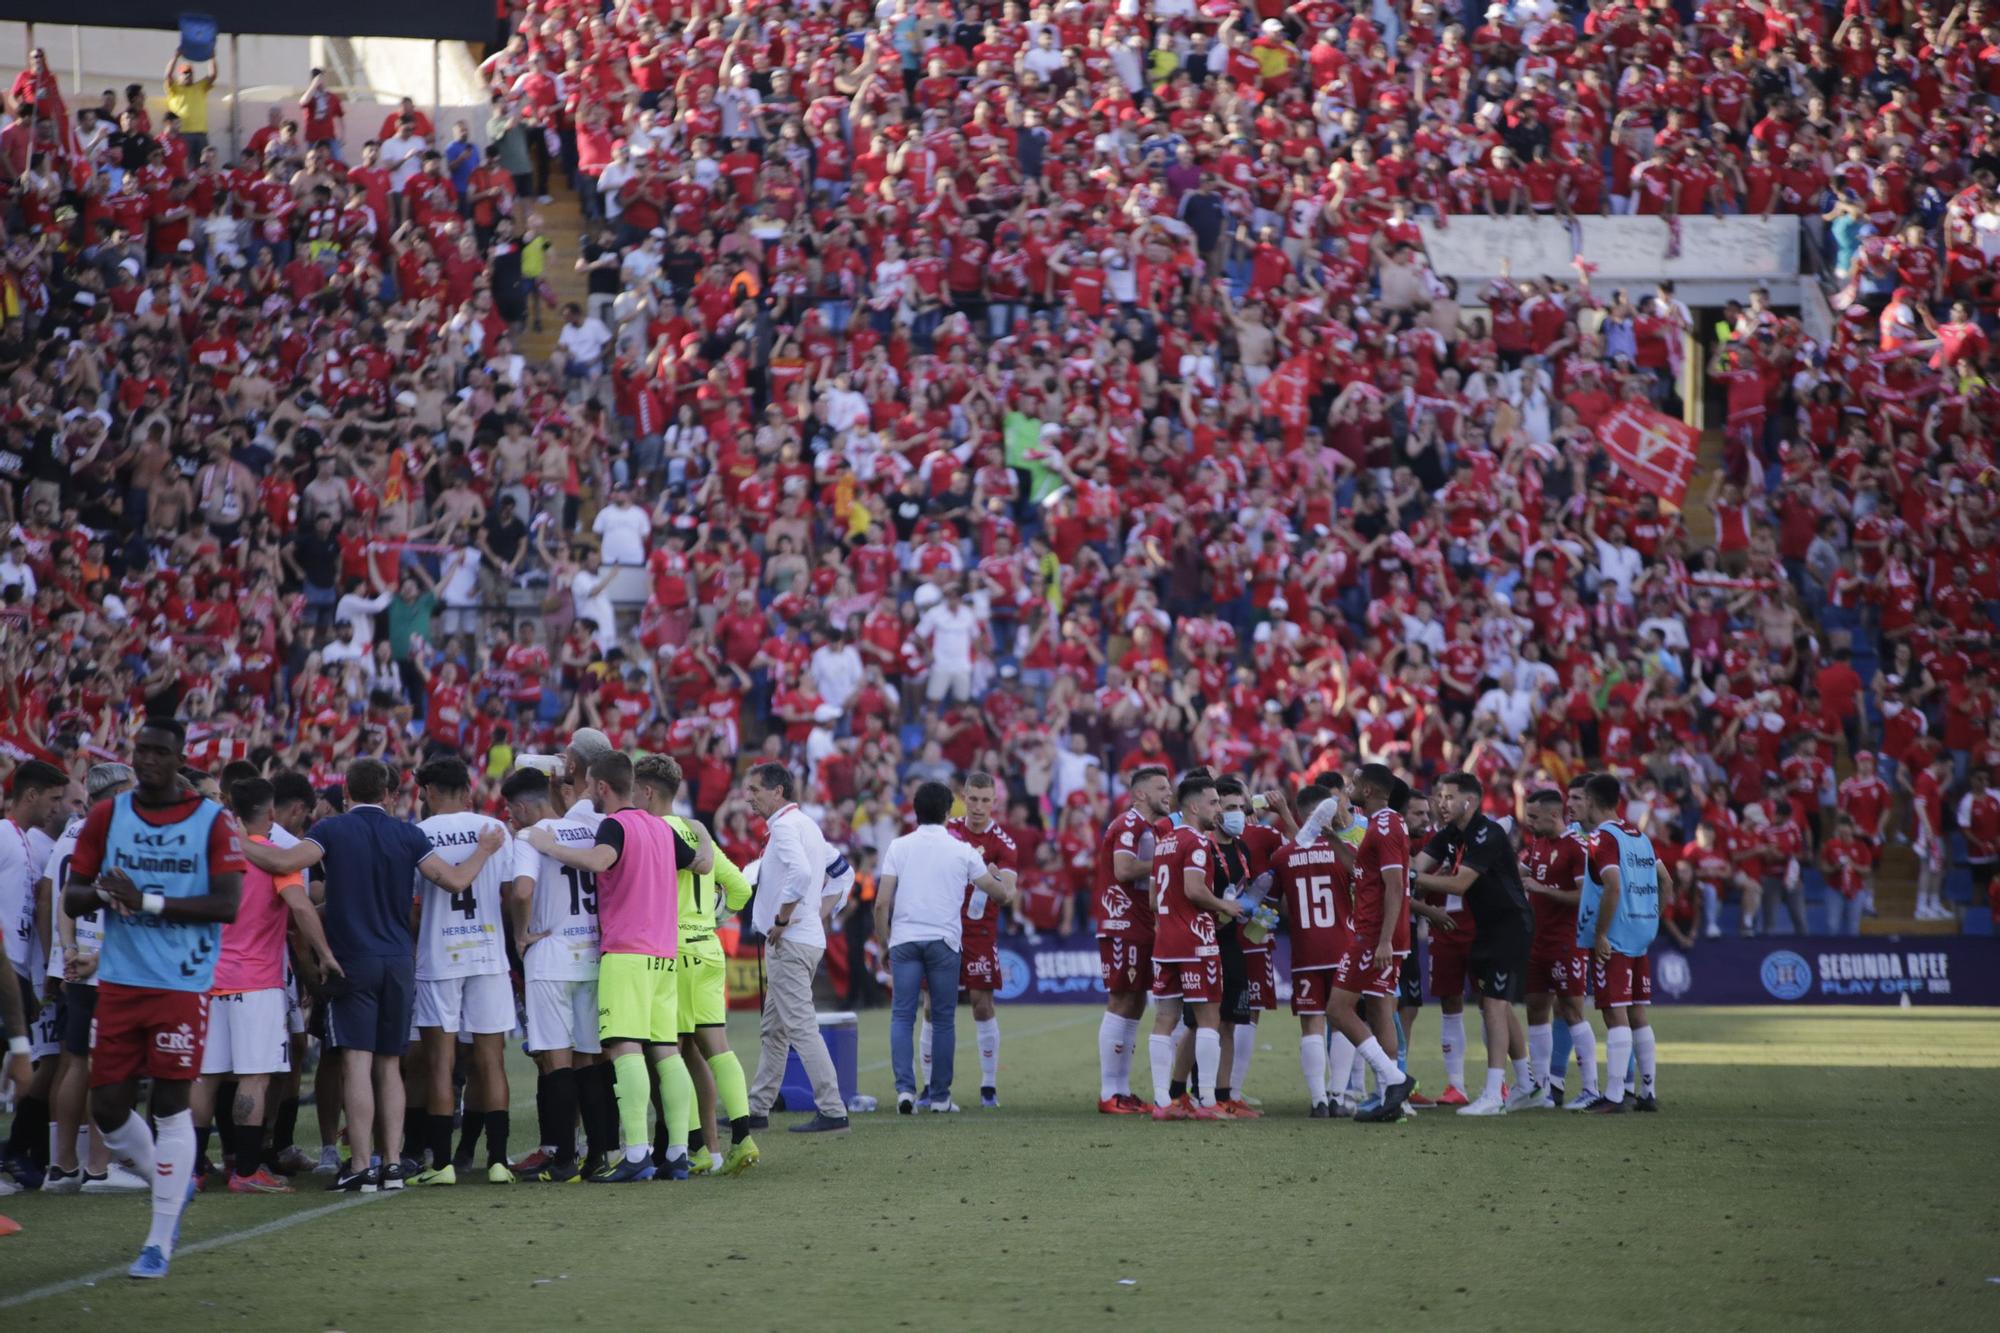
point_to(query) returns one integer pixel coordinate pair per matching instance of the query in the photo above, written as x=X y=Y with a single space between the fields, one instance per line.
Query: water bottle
x=860 y=1101
x=976 y=907
x=1260 y=925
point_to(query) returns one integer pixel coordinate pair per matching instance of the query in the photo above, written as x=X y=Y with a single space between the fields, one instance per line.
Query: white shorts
x=295 y=1012
x=248 y=1034
x=483 y=1003
x=562 y=1015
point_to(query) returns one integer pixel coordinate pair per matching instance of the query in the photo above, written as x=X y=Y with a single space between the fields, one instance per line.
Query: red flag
x=1652 y=448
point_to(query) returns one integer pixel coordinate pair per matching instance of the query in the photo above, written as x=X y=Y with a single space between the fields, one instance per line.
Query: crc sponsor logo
x=1786 y=975
x=177 y=1042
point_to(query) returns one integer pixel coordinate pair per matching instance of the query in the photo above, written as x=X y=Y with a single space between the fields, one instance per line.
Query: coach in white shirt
x=919 y=896
x=791 y=884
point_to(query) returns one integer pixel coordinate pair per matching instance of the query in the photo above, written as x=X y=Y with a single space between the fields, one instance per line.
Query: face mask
x=1232 y=823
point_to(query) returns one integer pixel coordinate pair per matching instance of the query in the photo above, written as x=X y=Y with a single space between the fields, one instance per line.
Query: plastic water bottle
x=1260 y=925
x=976 y=907
x=860 y=1101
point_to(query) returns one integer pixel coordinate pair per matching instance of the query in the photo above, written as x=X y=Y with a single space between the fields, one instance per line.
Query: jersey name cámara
x=461 y=934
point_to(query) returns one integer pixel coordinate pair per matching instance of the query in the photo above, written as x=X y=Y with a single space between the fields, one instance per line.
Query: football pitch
x=1811 y=1168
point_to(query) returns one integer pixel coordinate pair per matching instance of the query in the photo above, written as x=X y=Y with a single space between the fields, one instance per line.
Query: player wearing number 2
x=462 y=972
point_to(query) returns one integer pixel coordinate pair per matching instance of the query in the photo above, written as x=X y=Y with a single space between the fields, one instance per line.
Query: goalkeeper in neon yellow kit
x=704 y=997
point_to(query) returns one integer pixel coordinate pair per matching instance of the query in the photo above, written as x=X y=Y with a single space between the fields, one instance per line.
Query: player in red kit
x=979 y=958
x=1979 y=821
x=1367 y=964
x=1187 y=960
x=1558 y=972
x=1312 y=884
x=1125 y=934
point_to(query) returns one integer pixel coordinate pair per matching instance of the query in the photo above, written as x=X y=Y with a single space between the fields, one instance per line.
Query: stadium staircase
x=563 y=224
x=1896 y=877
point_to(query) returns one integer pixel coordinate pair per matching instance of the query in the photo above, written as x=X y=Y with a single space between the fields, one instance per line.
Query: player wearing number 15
x=462 y=972
x=1313 y=884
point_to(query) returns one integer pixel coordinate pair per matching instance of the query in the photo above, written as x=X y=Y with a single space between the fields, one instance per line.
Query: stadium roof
x=467 y=20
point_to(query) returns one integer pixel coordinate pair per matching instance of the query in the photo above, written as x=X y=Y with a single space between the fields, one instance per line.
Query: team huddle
x=1189 y=891
x=191 y=952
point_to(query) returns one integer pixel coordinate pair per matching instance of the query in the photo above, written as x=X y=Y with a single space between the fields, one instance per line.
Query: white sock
x=1160 y=1051
x=1129 y=1044
x=1522 y=1077
x=1617 y=1055
x=676 y=1151
x=1340 y=1062
x=1386 y=1074
x=1357 y=1079
x=131 y=1146
x=924 y=1049
x=638 y=1152
x=1495 y=1079
x=1110 y=1045
x=1584 y=1042
x=1648 y=1053
x=173 y=1168
x=988 y=1030
x=1541 y=1049
x=1246 y=1045
x=1312 y=1063
x=1207 y=1061
x=1451 y=1041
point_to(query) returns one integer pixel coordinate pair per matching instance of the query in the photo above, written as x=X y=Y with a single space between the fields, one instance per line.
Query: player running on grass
x=703 y=1001
x=1125 y=929
x=169 y=866
x=1616 y=920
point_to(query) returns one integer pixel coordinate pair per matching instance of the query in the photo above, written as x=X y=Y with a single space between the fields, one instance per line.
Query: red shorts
x=1354 y=967
x=1450 y=950
x=1260 y=988
x=1194 y=981
x=979 y=965
x=1622 y=981
x=1126 y=963
x=1558 y=969
x=1388 y=979
x=1310 y=990
x=140 y=1032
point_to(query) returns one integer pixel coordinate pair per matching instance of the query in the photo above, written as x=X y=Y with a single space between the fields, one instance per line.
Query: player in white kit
x=462 y=973
x=554 y=909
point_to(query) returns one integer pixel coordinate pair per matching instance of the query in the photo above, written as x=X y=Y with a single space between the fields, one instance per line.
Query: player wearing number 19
x=636 y=859
x=555 y=928
x=462 y=981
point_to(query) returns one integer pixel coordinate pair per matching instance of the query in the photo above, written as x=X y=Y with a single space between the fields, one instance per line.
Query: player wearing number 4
x=462 y=981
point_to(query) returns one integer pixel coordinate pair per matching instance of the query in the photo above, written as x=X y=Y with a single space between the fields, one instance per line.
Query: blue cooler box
x=843 y=1043
x=197 y=37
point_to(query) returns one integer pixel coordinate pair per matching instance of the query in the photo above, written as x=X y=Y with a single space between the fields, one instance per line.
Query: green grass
x=1810 y=1169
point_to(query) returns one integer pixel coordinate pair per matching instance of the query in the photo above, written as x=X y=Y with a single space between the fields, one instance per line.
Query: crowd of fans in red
x=270 y=440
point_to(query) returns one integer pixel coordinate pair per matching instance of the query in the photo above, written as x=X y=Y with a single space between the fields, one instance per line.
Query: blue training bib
x=171 y=861
x=1636 y=918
